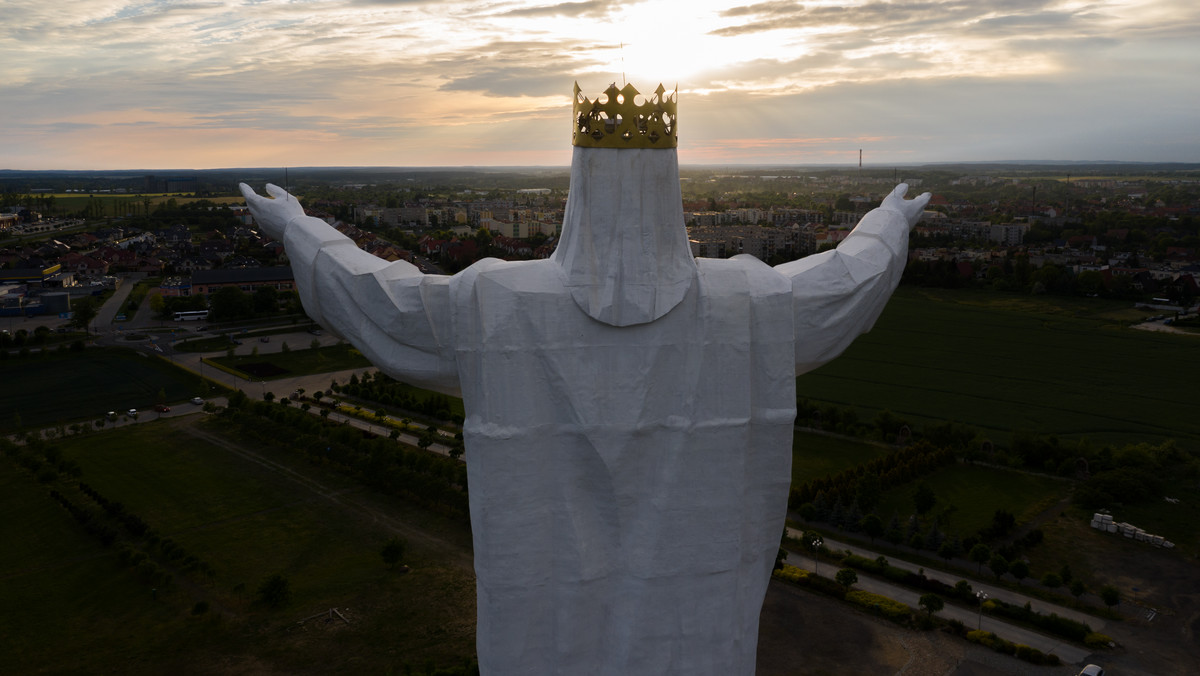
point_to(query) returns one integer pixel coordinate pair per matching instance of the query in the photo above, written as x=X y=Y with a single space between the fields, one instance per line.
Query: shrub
x=881 y=605
x=275 y=591
x=1095 y=641
x=1035 y=656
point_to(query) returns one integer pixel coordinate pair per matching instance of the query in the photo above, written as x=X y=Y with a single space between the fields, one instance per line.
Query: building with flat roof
x=205 y=282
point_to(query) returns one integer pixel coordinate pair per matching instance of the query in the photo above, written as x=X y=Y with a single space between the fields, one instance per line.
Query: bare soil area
x=1160 y=598
x=807 y=634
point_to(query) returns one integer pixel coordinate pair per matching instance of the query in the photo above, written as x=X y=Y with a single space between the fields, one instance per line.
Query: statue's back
x=628 y=484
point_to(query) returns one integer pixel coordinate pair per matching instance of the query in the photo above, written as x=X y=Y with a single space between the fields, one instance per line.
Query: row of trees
x=1130 y=474
x=380 y=388
x=433 y=481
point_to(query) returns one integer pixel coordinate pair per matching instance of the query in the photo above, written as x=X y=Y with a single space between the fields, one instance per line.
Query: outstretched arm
x=837 y=295
x=398 y=317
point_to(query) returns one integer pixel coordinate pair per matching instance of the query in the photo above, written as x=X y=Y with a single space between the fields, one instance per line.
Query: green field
x=976 y=492
x=1008 y=365
x=62 y=387
x=82 y=612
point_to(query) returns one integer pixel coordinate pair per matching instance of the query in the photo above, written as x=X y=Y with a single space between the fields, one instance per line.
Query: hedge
x=881 y=605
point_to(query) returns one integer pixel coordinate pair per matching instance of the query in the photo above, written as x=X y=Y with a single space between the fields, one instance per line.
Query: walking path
x=1067 y=652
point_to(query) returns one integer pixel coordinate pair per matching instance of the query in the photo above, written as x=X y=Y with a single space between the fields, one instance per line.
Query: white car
x=197 y=401
x=132 y=413
x=1092 y=670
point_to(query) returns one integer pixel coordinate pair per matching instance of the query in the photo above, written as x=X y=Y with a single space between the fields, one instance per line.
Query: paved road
x=1067 y=652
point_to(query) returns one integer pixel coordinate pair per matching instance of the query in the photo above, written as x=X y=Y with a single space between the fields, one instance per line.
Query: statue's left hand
x=272 y=215
x=911 y=209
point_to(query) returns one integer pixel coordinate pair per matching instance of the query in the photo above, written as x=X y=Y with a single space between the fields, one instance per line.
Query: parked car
x=1092 y=670
x=111 y=415
x=264 y=339
x=197 y=401
x=162 y=408
x=132 y=413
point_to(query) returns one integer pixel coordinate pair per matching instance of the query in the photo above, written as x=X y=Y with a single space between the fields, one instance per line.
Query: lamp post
x=982 y=596
x=814 y=542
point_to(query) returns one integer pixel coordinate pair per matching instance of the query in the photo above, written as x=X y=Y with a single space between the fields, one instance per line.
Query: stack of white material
x=1105 y=523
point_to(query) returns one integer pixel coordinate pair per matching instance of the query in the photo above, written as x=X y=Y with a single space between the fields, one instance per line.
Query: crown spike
x=619 y=121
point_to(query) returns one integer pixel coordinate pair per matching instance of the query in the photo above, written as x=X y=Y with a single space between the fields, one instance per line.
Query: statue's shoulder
x=742 y=271
x=539 y=275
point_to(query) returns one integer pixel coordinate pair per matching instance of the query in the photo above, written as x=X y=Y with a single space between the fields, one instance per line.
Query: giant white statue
x=629 y=408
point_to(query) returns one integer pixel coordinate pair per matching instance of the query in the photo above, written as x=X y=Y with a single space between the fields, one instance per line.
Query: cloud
x=435 y=81
x=763 y=9
x=586 y=8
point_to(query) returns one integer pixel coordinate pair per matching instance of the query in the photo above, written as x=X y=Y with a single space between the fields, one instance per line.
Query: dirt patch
x=1160 y=595
x=806 y=634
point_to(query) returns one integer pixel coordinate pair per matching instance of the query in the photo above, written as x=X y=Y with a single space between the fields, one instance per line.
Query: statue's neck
x=624 y=247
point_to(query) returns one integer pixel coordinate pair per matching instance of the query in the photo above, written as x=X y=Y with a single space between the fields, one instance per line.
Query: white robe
x=629 y=413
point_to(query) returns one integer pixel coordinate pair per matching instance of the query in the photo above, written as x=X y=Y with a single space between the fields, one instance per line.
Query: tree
x=265 y=299
x=1065 y=574
x=275 y=591
x=85 y=310
x=980 y=554
x=1077 y=588
x=393 y=551
x=999 y=565
x=846 y=577
x=1019 y=570
x=946 y=551
x=1003 y=522
x=932 y=603
x=229 y=302
x=868 y=492
x=872 y=525
x=1110 y=595
x=1051 y=580
x=924 y=499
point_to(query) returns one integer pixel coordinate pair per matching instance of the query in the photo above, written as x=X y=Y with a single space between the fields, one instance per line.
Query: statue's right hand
x=272 y=215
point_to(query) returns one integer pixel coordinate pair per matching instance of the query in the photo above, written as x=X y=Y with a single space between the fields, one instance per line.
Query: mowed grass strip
x=248 y=513
x=975 y=492
x=931 y=358
x=45 y=390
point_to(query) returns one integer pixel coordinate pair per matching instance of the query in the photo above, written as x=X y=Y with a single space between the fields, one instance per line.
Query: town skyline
x=155 y=86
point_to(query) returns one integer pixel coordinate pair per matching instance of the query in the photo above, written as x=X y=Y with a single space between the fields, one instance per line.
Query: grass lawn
x=248 y=519
x=62 y=387
x=819 y=455
x=294 y=363
x=1007 y=364
x=973 y=493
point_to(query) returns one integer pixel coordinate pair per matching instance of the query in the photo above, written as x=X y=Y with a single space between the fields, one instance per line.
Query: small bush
x=881 y=605
x=1095 y=640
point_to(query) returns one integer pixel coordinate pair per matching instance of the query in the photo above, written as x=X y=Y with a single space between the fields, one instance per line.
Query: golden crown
x=621 y=122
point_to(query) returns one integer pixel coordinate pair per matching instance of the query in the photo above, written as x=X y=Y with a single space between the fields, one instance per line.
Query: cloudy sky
x=129 y=84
